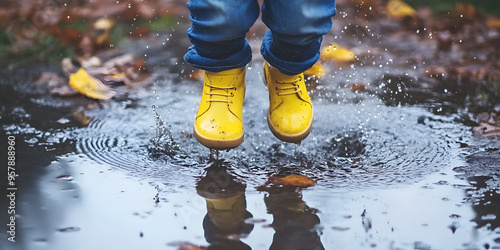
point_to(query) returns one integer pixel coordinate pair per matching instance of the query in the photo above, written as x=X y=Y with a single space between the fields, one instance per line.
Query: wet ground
x=397 y=166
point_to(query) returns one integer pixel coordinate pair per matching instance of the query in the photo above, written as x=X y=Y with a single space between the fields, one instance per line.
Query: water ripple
x=357 y=145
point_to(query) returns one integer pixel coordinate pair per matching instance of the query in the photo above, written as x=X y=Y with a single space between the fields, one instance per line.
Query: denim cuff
x=236 y=60
x=295 y=61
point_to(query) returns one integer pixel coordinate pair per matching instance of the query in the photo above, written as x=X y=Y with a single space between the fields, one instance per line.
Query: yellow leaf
x=493 y=23
x=398 y=9
x=292 y=180
x=89 y=86
x=335 y=53
x=103 y=26
x=317 y=70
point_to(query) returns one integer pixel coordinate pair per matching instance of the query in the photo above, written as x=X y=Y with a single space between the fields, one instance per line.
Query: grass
x=45 y=48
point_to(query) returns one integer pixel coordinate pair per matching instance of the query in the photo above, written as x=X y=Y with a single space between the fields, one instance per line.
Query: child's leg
x=219 y=47
x=290 y=47
x=296 y=30
x=218 y=33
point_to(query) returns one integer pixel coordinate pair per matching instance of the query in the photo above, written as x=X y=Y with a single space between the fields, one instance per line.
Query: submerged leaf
x=89 y=86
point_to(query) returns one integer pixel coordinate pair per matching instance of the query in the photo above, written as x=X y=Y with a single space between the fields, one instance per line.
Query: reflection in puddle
x=224 y=224
x=227 y=220
x=294 y=222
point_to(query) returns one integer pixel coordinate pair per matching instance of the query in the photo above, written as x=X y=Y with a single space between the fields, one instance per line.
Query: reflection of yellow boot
x=290 y=112
x=218 y=123
x=226 y=205
x=227 y=214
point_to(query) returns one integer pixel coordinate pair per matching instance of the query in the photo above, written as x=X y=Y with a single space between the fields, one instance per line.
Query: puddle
x=134 y=178
x=352 y=145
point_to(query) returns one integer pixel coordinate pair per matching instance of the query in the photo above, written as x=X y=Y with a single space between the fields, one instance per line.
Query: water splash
x=162 y=142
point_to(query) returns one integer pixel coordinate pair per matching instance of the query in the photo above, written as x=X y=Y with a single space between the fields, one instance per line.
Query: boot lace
x=289 y=87
x=226 y=94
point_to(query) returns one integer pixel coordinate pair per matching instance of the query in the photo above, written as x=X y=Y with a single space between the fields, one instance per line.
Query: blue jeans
x=292 y=43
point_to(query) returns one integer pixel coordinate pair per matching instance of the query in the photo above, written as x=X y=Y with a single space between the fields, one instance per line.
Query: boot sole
x=293 y=138
x=220 y=144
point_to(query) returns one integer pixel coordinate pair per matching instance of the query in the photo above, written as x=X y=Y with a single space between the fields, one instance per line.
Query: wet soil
x=397 y=166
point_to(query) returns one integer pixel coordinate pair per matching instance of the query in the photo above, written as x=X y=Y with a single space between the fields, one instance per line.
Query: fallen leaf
x=360 y=87
x=91 y=62
x=487 y=130
x=292 y=180
x=467 y=11
x=196 y=75
x=333 y=52
x=140 y=31
x=398 y=9
x=50 y=80
x=89 y=86
x=119 y=61
x=493 y=23
x=80 y=116
x=317 y=71
x=63 y=91
x=103 y=27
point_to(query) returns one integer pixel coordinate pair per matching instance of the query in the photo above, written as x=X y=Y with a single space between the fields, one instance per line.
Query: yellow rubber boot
x=290 y=114
x=218 y=123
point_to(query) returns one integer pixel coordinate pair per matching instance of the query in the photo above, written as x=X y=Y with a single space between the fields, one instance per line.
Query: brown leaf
x=360 y=87
x=195 y=75
x=467 y=11
x=81 y=117
x=292 y=180
x=487 y=130
x=493 y=23
x=140 y=31
x=64 y=91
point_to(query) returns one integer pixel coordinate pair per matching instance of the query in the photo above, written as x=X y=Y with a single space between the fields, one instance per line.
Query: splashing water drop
x=214 y=154
x=162 y=142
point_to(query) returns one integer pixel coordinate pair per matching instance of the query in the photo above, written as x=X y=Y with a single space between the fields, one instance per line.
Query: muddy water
x=135 y=177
